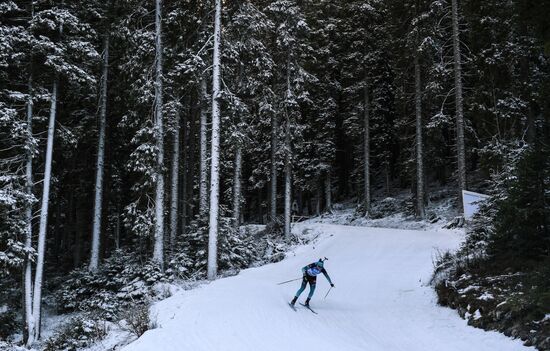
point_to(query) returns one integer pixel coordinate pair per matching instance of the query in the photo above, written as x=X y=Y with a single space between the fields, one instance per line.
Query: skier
x=310 y=276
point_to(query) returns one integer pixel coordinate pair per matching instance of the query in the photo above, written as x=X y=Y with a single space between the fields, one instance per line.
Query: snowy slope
x=381 y=302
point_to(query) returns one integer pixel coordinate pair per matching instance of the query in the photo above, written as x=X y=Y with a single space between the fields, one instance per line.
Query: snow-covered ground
x=382 y=301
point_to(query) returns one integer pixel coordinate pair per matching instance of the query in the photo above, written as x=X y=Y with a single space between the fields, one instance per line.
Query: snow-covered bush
x=235 y=251
x=137 y=320
x=390 y=206
x=77 y=333
x=500 y=277
x=120 y=279
x=8 y=346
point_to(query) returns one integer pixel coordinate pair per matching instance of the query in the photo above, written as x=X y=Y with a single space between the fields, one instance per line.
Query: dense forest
x=149 y=131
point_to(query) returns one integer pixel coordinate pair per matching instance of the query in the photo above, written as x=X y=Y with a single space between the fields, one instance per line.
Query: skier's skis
x=293 y=307
x=309 y=308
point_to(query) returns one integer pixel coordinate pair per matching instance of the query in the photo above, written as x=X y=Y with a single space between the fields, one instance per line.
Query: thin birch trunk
x=273 y=183
x=203 y=180
x=96 y=233
x=366 y=151
x=419 y=146
x=215 y=150
x=28 y=216
x=34 y=333
x=175 y=183
x=158 y=250
x=237 y=186
x=460 y=147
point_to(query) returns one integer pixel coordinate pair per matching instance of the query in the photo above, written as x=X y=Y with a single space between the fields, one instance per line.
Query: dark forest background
x=299 y=80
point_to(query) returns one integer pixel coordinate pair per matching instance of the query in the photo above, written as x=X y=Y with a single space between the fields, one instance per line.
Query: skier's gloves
x=332 y=285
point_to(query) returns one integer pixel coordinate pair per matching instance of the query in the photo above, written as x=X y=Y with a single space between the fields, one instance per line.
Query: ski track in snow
x=382 y=302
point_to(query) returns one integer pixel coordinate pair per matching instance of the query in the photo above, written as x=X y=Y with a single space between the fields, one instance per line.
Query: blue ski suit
x=310 y=276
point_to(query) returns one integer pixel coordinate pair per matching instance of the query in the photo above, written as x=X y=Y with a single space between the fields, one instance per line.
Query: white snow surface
x=382 y=302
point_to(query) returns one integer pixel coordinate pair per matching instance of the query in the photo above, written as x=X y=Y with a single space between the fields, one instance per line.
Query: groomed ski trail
x=382 y=302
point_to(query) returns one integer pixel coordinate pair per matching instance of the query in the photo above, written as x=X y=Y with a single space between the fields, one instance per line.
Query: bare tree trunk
x=366 y=151
x=460 y=147
x=215 y=151
x=328 y=192
x=419 y=147
x=158 y=250
x=288 y=157
x=175 y=183
x=96 y=232
x=288 y=180
x=34 y=332
x=387 y=176
x=117 y=228
x=273 y=183
x=190 y=169
x=184 y=178
x=28 y=216
x=237 y=186
x=318 y=200
x=259 y=207
x=203 y=180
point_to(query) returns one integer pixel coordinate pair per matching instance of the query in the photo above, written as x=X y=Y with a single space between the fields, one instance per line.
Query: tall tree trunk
x=288 y=180
x=175 y=183
x=259 y=207
x=366 y=150
x=460 y=147
x=328 y=192
x=237 y=186
x=96 y=231
x=34 y=333
x=158 y=250
x=117 y=228
x=28 y=216
x=288 y=156
x=27 y=277
x=215 y=150
x=273 y=183
x=419 y=147
x=318 y=199
x=185 y=157
x=191 y=172
x=387 y=176
x=203 y=178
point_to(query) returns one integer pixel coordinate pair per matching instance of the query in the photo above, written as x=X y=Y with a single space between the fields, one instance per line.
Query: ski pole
x=288 y=281
x=327 y=293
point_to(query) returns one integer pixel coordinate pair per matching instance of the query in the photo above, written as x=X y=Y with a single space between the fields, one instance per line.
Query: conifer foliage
x=158 y=128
